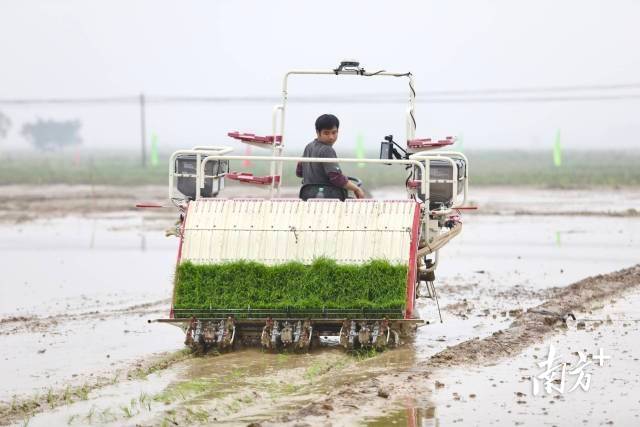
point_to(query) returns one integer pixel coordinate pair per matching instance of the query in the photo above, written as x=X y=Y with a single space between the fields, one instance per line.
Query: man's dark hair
x=327 y=122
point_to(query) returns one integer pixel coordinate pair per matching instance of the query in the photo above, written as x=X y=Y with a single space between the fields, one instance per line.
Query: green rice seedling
x=90 y=414
x=82 y=392
x=170 y=419
x=14 y=403
x=290 y=388
x=163 y=397
x=128 y=413
x=316 y=369
x=183 y=390
x=145 y=401
x=236 y=373
x=361 y=354
x=133 y=403
x=66 y=395
x=107 y=416
x=51 y=398
x=233 y=407
x=323 y=284
x=282 y=358
x=199 y=415
x=340 y=363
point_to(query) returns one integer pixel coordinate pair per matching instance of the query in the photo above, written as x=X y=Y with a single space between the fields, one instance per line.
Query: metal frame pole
x=143 y=131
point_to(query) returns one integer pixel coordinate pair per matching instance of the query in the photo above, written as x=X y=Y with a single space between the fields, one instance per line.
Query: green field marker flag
x=154 y=150
x=557 y=151
x=360 y=149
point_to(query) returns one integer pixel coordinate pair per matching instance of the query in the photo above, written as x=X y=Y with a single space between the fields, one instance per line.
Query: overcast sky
x=113 y=48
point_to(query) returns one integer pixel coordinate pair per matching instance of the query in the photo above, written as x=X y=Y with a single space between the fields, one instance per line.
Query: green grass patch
x=580 y=168
x=323 y=284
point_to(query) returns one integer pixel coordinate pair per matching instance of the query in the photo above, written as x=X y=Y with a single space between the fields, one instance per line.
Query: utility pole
x=143 y=131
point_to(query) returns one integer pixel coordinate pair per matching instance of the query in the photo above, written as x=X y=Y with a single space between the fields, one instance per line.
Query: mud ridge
x=535 y=323
x=26 y=407
x=20 y=324
x=360 y=400
x=628 y=213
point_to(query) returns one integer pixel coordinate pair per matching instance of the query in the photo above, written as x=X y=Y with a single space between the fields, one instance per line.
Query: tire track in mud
x=20 y=324
x=363 y=400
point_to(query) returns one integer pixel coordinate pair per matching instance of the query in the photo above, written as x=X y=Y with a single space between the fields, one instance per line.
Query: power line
x=387 y=98
x=466 y=96
x=539 y=89
x=526 y=99
x=90 y=100
x=355 y=99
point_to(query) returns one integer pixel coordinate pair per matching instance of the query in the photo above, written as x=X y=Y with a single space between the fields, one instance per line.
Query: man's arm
x=299 y=170
x=359 y=192
x=336 y=177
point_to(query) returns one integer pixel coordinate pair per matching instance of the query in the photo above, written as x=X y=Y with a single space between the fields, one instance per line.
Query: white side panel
x=280 y=230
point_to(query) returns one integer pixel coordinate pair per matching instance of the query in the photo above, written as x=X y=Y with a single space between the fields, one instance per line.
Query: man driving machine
x=324 y=180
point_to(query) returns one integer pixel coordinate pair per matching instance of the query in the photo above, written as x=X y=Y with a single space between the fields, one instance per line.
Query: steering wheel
x=355 y=180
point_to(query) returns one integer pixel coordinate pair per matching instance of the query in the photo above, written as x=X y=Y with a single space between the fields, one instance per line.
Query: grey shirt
x=321 y=173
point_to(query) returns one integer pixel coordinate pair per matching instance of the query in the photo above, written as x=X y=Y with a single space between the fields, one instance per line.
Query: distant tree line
x=47 y=135
x=5 y=124
x=50 y=135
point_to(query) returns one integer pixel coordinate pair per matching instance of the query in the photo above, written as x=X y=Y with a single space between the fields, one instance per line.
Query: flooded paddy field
x=83 y=272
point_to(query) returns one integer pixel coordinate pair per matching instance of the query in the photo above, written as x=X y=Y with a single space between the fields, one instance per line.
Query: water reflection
x=410 y=416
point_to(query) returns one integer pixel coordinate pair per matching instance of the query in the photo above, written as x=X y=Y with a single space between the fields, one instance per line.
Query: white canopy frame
x=279 y=111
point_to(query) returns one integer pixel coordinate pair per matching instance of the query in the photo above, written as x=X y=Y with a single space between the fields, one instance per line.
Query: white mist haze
x=76 y=49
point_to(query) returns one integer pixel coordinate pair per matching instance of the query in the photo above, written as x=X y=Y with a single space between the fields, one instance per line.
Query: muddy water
x=598 y=392
x=74 y=283
x=502 y=263
x=72 y=264
x=233 y=389
x=112 y=272
x=544 y=251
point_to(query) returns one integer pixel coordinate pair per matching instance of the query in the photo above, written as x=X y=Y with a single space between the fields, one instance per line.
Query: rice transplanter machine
x=271 y=231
